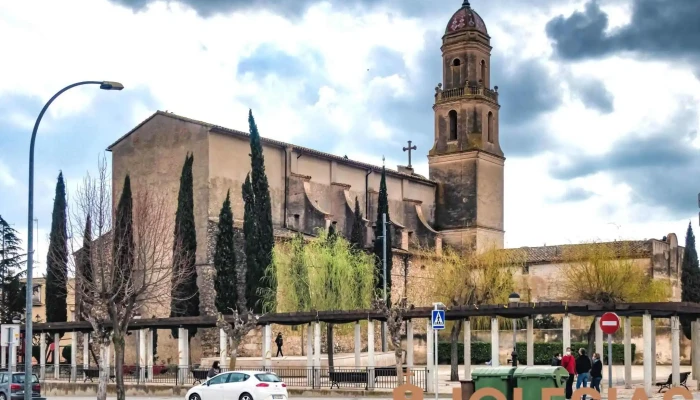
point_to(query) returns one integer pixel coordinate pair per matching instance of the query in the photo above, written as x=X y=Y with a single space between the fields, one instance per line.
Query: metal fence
x=313 y=378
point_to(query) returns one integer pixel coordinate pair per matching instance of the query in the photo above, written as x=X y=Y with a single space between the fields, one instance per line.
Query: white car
x=240 y=385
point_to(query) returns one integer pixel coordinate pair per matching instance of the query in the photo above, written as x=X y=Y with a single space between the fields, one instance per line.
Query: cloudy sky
x=600 y=99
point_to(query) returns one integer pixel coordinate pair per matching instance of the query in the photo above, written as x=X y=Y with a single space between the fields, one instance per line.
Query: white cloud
x=6 y=178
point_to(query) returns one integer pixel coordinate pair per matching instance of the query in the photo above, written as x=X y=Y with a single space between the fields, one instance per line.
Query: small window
x=271 y=378
x=219 y=379
x=453 y=125
x=489 y=126
x=483 y=72
x=238 y=377
x=456 y=62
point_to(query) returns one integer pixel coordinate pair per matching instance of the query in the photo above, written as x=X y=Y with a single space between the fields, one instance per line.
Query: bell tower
x=466 y=159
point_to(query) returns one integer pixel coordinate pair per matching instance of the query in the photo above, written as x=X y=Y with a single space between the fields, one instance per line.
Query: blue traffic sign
x=438 y=319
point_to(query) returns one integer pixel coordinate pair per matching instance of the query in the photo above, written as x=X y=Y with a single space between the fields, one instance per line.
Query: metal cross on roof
x=409 y=148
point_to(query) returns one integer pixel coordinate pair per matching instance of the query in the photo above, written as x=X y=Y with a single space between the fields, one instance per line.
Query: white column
x=309 y=346
x=675 y=350
x=409 y=343
x=370 y=354
x=653 y=351
x=648 y=355
x=495 y=344
x=317 y=344
x=73 y=356
x=149 y=354
x=628 y=352
x=267 y=338
x=143 y=339
x=12 y=350
x=694 y=349
x=183 y=347
x=56 y=356
x=3 y=354
x=223 y=342
x=566 y=333
x=530 y=339
x=358 y=345
x=42 y=355
x=467 y=350
x=430 y=356
x=598 y=338
x=86 y=350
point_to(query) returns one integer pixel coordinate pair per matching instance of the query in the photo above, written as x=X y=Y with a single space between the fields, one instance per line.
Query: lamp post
x=104 y=85
x=514 y=298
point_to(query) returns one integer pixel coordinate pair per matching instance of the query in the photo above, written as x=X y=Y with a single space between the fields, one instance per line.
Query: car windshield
x=267 y=378
x=19 y=378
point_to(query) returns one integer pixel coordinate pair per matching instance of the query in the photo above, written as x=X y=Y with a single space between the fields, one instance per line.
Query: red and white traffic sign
x=609 y=323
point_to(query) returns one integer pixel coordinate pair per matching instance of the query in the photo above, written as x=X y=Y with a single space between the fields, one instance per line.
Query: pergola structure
x=648 y=311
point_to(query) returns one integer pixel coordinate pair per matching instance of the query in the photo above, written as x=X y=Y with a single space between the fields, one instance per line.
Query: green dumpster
x=499 y=378
x=533 y=379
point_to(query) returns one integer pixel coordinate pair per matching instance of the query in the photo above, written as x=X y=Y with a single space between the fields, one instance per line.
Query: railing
x=313 y=378
x=466 y=91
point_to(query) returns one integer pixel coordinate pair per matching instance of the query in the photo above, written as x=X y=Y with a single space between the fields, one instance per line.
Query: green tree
x=263 y=217
x=12 y=291
x=383 y=208
x=252 y=245
x=57 y=258
x=357 y=236
x=185 y=294
x=84 y=267
x=225 y=260
x=690 y=277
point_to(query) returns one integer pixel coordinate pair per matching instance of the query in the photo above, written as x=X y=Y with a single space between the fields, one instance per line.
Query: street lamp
x=105 y=85
x=514 y=298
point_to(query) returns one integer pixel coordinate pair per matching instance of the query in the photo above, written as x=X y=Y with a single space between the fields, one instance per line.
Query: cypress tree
x=57 y=258
x=85 y=267
x=263 y=210
x=123 y=242
x=185 y=295
x=225 y=260
x=357 y=236
x=690 y=277
x=254 y=273
x=383 y=207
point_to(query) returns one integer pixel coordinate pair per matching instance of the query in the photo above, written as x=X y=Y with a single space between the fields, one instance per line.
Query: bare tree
x=125 y=269
x=394 y=320
x=236 y=331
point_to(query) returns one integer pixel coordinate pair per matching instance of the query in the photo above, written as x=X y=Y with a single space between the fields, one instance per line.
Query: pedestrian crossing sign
x=438 y=318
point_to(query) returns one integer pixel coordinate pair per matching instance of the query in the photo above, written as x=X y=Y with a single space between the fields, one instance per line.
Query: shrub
x=481 y=352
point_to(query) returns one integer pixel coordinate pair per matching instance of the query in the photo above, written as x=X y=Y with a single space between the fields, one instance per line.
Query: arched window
x=489 y=126
x=456 y=62
x=483 y=73
x=456 y=70
x=453 y=125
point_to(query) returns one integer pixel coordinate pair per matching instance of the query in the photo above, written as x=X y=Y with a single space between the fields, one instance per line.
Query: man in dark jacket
x=278 y=342
x=556 y=360
x=596 y=372
x=583 y=369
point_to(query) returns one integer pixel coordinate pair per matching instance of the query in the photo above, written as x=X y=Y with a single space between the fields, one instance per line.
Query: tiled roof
x=547 y=254
x=276 y=143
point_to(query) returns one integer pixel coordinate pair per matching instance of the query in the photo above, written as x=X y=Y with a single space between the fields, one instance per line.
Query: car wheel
x=3 y=396
x=193 y=396
x=245 y=396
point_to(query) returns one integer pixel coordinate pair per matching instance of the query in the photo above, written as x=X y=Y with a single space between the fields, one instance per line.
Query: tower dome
x=466 y=19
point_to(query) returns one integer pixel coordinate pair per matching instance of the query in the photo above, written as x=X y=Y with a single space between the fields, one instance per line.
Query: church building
x=459 y=204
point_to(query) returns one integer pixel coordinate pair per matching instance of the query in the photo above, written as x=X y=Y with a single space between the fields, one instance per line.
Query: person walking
x=596 y=372
x=214 y=370
x=569 y=363
x=278 y=342
x=583 y=369
x=556 y=360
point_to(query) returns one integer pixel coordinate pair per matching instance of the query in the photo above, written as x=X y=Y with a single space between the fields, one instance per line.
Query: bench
x=668 y=383
x=386 y=371
x=199 y=375
x=347 y=377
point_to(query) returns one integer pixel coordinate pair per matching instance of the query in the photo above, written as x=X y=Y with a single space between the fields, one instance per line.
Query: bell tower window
x=453 y=125
x=456 y=69
x=483 y=73
x=489 y=126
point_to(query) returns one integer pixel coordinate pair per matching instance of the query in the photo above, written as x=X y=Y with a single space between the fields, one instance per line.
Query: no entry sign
x=609 y=323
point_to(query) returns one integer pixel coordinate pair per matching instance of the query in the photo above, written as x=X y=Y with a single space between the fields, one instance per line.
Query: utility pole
x=384 y=275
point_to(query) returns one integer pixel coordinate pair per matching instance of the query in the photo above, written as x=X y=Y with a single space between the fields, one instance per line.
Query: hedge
x=481 y=352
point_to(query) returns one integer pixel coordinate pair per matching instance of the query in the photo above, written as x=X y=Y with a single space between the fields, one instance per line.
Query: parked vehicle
x=240 y=385
x=12 y=386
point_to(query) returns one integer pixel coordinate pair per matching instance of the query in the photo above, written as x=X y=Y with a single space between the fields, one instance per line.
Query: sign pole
x=609 y=361
x=435 y=366
x=437 y=318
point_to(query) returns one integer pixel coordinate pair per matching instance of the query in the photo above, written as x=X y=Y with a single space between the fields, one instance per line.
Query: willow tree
x=607 y=273
x=473 y=279
x=321 y=274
